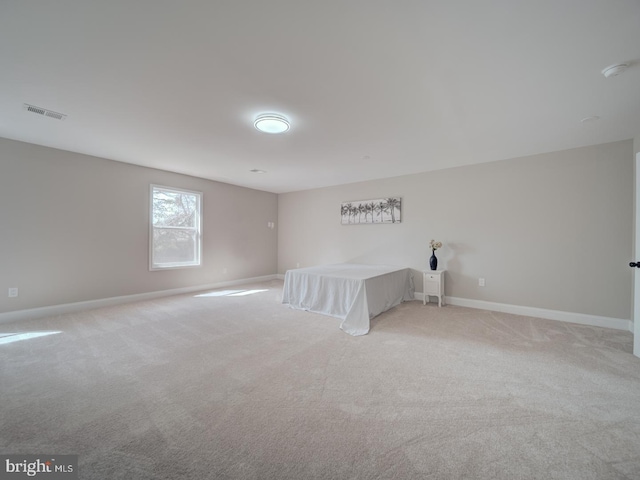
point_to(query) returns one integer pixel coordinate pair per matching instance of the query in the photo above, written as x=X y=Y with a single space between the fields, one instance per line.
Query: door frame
x=636 y=253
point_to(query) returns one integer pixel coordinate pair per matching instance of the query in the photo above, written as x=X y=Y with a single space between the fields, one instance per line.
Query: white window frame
x=197 y=262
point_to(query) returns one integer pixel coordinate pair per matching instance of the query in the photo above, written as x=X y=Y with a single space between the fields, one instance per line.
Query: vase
x=433 y=261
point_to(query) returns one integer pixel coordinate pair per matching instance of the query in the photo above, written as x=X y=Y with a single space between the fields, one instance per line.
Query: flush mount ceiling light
x=613 y=70
x=271 y=123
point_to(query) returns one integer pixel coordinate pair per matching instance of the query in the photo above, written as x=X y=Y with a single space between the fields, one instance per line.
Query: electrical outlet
x=224 y=270
x=481 y=282
x=13 y=292
x=298 y=265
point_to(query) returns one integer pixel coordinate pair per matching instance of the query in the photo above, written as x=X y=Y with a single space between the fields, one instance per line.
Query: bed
x=352 y=292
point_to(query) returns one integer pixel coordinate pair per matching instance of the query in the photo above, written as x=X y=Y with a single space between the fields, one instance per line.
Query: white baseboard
x=33 y=313
x=581 y=318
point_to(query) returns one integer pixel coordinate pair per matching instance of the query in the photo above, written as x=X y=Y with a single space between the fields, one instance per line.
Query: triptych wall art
x=380 y=210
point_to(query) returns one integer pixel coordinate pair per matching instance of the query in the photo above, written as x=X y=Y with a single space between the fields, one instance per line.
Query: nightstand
x=433 y=281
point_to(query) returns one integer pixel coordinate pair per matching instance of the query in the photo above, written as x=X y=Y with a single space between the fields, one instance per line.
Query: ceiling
x=372 y=88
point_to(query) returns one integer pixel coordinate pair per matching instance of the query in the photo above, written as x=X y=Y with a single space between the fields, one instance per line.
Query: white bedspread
x=352 y=292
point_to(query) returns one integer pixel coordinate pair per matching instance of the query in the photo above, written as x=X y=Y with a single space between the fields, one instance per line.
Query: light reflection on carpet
x=231 y=293
x=16 y=337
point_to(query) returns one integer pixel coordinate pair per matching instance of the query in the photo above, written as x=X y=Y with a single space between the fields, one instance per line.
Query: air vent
x=44 y=112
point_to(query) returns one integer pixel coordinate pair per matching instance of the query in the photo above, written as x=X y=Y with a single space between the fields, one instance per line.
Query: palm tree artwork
x=380 y=210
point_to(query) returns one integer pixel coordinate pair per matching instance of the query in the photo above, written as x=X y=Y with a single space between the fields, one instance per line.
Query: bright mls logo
x=46 y=467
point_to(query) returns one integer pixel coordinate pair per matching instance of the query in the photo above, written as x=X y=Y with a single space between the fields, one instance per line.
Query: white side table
x=433 y=281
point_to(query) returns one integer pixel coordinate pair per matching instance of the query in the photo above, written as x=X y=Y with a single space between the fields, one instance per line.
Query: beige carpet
x=242 y=387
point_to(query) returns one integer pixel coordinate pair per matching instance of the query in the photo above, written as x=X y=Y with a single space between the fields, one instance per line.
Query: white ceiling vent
x=44 y=111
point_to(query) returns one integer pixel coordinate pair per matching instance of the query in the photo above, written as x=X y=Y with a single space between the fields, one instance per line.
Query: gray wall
x=76 y=228
x=550 y=231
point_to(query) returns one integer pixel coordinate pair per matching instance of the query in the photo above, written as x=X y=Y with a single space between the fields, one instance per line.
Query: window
x=175 y=228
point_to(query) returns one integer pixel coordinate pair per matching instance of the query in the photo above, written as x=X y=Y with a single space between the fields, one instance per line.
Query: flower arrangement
x=433 y=261
x=435 y=245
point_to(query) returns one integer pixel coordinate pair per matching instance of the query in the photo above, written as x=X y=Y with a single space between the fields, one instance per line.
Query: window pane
x=175 y=228
x=174 y=246
x=175 y=209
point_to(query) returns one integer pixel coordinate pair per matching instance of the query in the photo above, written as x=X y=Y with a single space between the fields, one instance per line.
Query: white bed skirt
x=352 y=292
